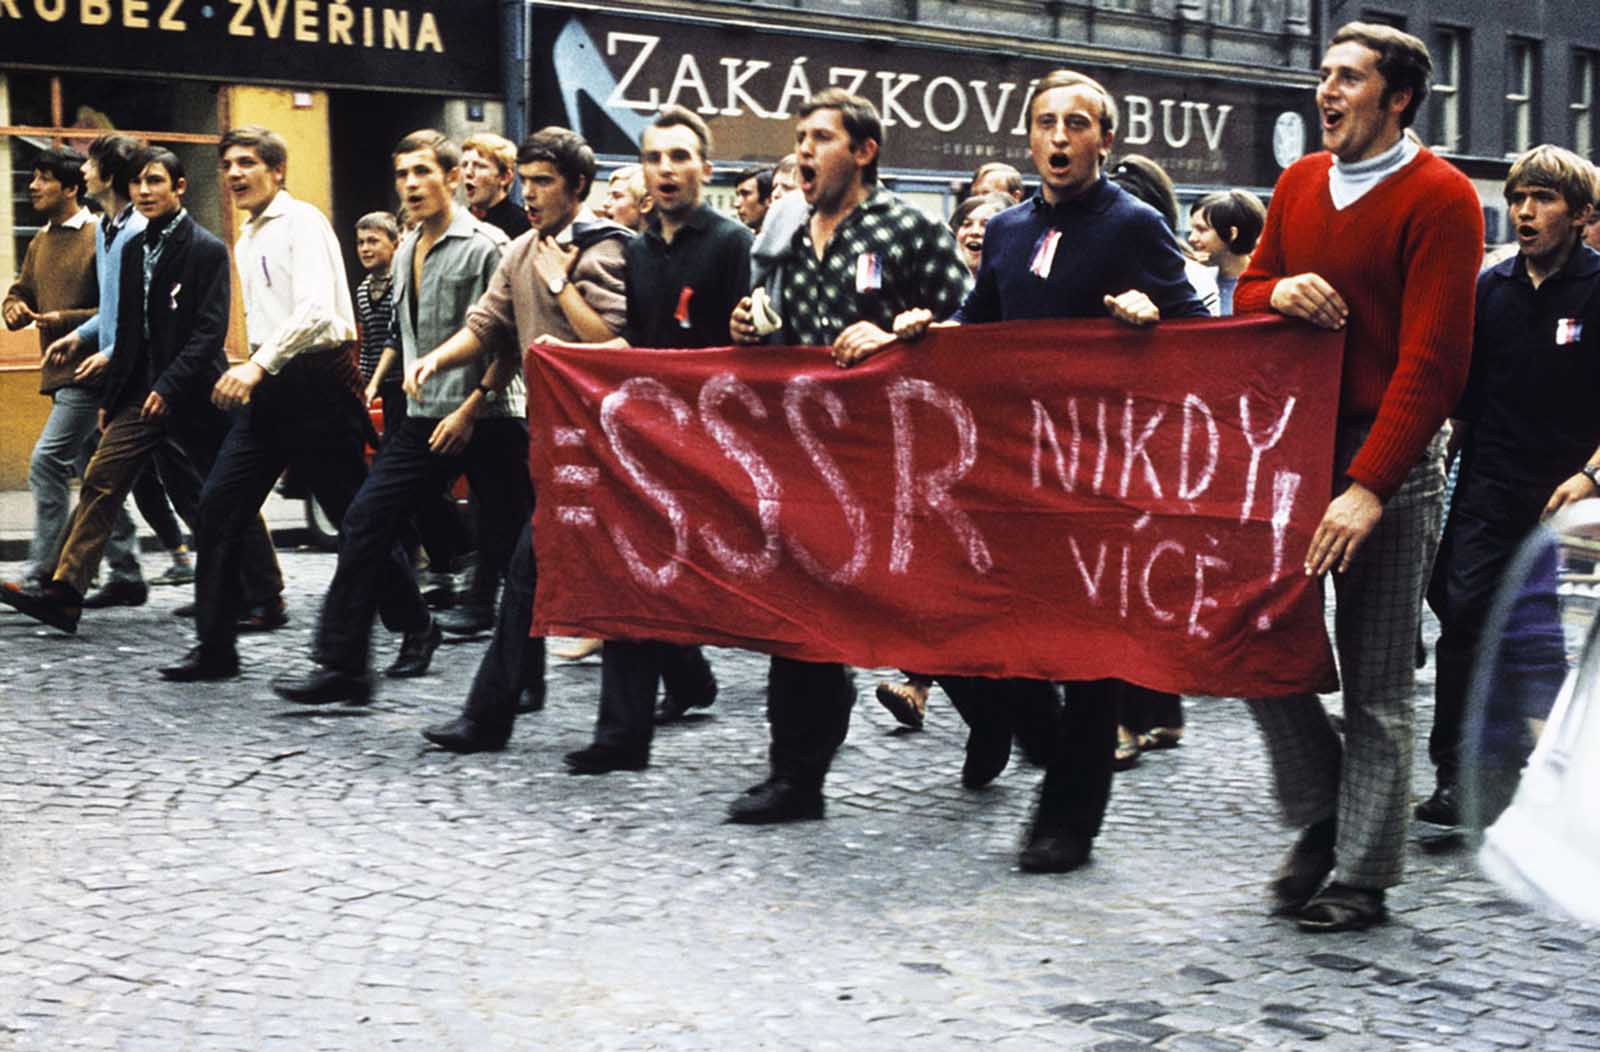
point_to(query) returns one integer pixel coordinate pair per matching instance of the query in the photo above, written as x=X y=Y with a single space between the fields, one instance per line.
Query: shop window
x=39 y=110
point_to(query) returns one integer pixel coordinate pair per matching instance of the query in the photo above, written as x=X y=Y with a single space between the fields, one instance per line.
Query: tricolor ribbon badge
x=681 y=315
x=1568 y=330
x=1044 y=253
x=869 y=272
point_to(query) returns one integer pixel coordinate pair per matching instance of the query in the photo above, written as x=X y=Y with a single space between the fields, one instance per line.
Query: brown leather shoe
x=57 y=604
x=268 y=616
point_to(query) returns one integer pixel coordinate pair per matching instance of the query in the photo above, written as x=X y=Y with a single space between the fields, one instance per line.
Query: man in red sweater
x=1380 y=238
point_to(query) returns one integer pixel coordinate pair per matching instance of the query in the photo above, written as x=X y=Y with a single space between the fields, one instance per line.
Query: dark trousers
x=630 y=670
x=150 y=494
x=1077 y=780
x=514 y=661
x=301 y=418
x=1142 y=709
x=437 y=524
x=1488 y=520
x=374 y=574
x=1030 y=709
x=808 y=710
x=189 y=436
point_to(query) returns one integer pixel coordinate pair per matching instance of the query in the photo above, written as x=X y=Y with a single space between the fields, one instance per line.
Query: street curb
x=15 y=549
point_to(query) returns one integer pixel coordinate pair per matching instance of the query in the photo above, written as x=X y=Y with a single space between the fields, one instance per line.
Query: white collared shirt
x=291 y=275
x=80 y=217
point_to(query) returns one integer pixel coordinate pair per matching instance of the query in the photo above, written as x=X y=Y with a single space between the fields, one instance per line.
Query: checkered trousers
x=1366 y=779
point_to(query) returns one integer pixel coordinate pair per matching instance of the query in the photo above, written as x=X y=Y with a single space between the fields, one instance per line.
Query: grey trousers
x=59 y=456
x=1365 y=779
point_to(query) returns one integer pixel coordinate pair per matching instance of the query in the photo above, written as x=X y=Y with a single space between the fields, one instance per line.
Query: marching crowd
x=1375 y=236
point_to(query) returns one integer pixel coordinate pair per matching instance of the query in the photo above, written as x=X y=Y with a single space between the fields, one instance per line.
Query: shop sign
x=606 y=75
x=445 y=46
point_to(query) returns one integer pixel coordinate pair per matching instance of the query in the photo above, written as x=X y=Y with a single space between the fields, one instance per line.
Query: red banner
x=1066 y=500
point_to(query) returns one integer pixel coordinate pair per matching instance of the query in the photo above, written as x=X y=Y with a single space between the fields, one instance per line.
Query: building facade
x=1507 y=76
x=1217 y=92
x=341 y=80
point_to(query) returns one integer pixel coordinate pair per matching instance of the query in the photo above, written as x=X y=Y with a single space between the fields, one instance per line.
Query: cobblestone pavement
x=209 y=868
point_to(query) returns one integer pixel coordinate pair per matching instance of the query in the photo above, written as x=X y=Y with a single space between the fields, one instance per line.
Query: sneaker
x=180 y=572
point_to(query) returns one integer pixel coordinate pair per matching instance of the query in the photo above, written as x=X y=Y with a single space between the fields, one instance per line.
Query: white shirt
x=291 y=275
x=80 y=217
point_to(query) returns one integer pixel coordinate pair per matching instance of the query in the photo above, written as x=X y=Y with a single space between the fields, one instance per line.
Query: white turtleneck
x=1348 y=182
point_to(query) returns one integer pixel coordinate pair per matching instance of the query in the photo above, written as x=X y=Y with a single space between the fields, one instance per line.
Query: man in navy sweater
x=1080 y=248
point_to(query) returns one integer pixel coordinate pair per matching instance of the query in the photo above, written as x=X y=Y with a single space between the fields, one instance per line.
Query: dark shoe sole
x=102 y=601
x=356 y=697
x=43 y=609
x=1045 y=857
x=669 y=711
x=766 y=817
x=185 y=674
x=893 y=697
x=1339 y=908
x=250 y=625
x=463 y=746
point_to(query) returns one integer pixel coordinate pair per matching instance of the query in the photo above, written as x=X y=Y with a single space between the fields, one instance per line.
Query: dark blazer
x=189 y=301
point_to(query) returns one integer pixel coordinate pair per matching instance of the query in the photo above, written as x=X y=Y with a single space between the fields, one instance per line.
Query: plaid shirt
x=884 y=258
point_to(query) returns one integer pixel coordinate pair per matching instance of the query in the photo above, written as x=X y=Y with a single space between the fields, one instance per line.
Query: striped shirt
x=374 y=311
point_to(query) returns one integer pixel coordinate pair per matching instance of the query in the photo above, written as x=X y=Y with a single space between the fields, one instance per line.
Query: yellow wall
x=22 y=407
x=305 y=130
x=310 y=173
x=23 y=410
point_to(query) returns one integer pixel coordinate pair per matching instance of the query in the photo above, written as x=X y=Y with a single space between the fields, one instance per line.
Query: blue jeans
x=59 y=456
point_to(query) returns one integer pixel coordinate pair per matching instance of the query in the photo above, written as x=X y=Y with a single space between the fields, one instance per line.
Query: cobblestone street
x=211 y=868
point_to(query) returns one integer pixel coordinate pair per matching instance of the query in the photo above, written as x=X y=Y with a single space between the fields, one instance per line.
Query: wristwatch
x=1592 y=473
x=557 y=284
x=489 y=393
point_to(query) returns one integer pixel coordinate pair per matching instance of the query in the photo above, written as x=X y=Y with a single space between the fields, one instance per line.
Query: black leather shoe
x=56 y=604
x=673 y=709
x=988 y=752
x=188 y=610
x=463 y=735
x=416 y=653
x=530 y=700
x=1054 y=853
x=117 y=593
x=602 y=759
x=264 y=618
x=199 y=665
x=778 y=800
x=1443 y=808
x=467 y=619
x=324 y=686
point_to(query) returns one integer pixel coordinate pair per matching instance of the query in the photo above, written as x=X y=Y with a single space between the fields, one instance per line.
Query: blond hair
x=491 y=147
x=1554 y=168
